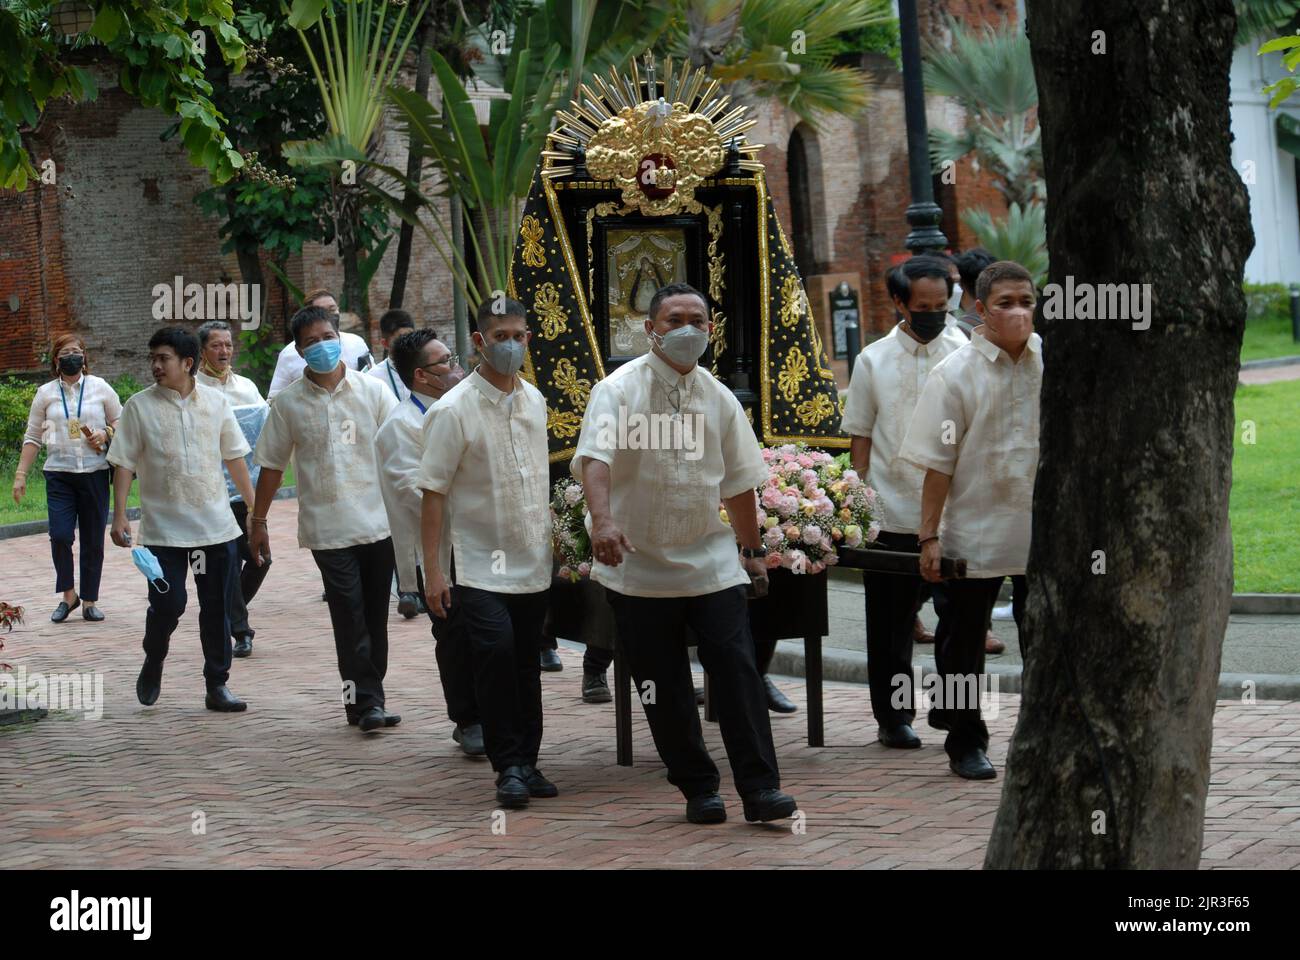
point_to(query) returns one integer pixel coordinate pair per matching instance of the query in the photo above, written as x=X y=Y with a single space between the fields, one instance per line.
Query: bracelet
x=20 y=474
x=921 y=543
x=261 y=520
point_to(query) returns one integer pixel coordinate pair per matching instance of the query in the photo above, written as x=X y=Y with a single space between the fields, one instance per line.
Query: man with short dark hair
x=289 y=364
x=975 y=433
x=887 y=379
x=485 y=478
x=970 y=265
x=668 y=564
x=175 y=436
x=392 y=325
x=216 y=353
x=326 y=422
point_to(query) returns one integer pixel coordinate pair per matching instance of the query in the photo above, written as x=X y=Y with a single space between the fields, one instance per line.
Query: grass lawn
x=1269 y=336
x=1265 y=505
x=33 y=505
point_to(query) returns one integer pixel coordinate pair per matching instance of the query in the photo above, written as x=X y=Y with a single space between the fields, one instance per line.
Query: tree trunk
x=1109 y=764
x=413 y=165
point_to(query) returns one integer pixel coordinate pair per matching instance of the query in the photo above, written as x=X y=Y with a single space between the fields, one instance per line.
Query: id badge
x=74 y=428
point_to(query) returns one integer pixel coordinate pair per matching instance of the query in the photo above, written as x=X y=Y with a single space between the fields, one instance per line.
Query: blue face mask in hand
x=323 y=355
x=148 y=564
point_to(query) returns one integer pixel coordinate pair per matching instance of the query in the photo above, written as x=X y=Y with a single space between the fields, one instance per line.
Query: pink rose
x=584 y=569
x=773 y=560
x=771 y=497
x=773 y=537
x=812 y=534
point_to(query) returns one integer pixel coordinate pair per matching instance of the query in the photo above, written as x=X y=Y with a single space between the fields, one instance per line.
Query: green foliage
x=991 y=75
x=159 y=63
x=1021 y=236
x=1268 y=323
x=15 y=404
x=1264 y=509
x=126 y=386
x=1281 y=90
x=1257 y=18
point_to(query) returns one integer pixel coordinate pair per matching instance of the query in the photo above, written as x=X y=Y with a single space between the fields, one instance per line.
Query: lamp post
x=923 y=213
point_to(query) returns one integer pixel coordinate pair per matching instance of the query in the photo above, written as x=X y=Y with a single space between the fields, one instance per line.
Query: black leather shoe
x=62 y=610
x=973 y=765
x=390 y=719
x=92 y=613
x=706 y=808
x=470 y=738
x=408 y=605
x=243 y=647
x=551 y=662
x=766 y=805
x=371 y=719
x=777 y=701
x=538 y=785
x=595 y=689
x=149 y=684
x=221 y=699
x=512 y=787
x=901 y=737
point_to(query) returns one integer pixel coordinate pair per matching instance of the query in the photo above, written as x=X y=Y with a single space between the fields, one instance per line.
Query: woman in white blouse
x=73 y=417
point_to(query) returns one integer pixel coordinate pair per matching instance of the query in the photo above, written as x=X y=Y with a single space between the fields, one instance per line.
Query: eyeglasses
x=450 y=358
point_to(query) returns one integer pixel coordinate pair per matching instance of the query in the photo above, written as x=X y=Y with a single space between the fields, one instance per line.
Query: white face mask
x=954 y=302
x=683 y=346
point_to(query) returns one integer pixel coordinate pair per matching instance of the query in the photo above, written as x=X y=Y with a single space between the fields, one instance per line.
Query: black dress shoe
x=699 y=696
x=92 y=613
x=538 y=785
x=221 y=699
x=62 y=610
x=149 y=684
x=371 y=719
x=551 y=662
x=512 y=787
x=766 y=805
x=777 y=701
x=972 y=765
x=470 y=738
x=901 y=737
x=408 y=605
x=706 y=808
x=390 y=719
x=595 y=689
x=243 y=647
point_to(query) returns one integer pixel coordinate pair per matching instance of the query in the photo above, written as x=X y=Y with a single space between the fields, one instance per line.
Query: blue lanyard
x=64 y=397
x=415 y=401
x=389 y=370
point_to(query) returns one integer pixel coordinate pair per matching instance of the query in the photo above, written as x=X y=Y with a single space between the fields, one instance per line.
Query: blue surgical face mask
x=323 y=355
x=148 y=564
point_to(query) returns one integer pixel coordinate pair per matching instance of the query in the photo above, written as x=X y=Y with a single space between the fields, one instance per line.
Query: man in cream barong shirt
x=326 y=422
x=485 y=476
x=667 y=560
x=975 y=433
x=887 y=379
x=175 y=436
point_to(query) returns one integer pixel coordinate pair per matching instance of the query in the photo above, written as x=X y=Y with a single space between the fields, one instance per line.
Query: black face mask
x=71 y=365
x=927 y=324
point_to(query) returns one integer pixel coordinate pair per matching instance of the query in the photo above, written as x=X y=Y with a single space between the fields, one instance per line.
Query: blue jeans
x=77 y=500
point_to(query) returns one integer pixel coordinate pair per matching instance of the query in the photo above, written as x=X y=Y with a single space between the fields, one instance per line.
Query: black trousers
x=356 y=583
x=503 y=632
x=652 y=632
x=892 y=601
x=960 y=659
x=214 y=578
x=77 y=500
x=250 y=576
x=455 y=664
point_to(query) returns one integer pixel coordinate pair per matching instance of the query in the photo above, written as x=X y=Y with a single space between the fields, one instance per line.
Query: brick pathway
x=288 y=784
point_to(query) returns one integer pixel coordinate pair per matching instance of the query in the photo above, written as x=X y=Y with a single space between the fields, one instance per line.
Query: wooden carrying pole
x=894 y=561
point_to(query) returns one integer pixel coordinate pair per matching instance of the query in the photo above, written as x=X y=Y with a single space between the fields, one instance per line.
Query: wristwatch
x=751 y=552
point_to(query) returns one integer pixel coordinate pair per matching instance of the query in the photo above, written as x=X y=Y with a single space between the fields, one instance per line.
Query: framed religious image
x=633 y=260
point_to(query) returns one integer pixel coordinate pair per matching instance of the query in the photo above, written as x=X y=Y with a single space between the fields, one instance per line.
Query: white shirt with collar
x=977 y=421
x=289 y=365
x=488 y=455
x=175 y=446
x=666 y=481
x=240 y=391
x=47 y=422
x=385 y=372
x=331 y=437
x=400 y=446
x=887 y=379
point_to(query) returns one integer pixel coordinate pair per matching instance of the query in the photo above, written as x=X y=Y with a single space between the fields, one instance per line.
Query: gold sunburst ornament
x=656 y=140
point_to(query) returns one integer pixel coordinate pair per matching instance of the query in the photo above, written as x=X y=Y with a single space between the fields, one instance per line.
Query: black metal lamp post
x=923 y=214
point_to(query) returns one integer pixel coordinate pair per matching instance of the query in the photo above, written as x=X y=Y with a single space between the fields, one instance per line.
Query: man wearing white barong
x=975 y=433
x=668 y=562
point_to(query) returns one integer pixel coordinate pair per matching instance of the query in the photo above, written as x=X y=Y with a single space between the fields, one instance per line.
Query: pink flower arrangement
x=809 y=504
